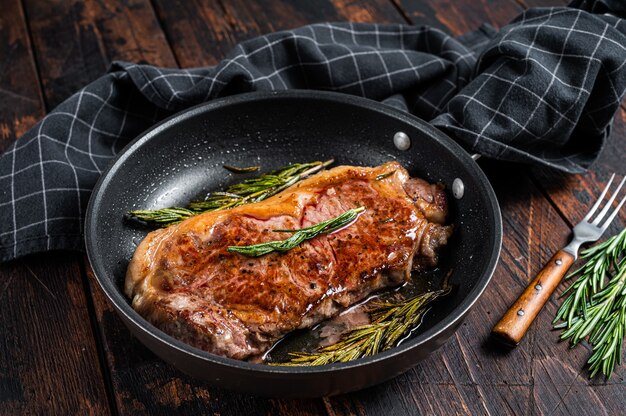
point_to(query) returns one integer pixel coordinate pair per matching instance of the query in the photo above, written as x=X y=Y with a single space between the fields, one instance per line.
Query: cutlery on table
x=516 y=321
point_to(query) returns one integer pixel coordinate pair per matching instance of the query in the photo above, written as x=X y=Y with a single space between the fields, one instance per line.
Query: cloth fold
x=542 y=90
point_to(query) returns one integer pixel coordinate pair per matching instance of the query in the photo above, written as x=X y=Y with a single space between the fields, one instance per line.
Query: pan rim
x=123 y=307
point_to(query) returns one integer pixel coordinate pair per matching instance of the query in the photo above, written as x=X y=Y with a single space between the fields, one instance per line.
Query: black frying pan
x=181 y=159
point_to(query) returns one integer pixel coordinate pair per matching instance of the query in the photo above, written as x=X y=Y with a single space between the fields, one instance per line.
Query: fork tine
x=613 y=215
x=609 y=203
x=597 y=204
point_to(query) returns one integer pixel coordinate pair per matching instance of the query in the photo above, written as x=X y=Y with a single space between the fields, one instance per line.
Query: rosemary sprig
x=595 y=307
x=248 y=191
x=391 y=323
x=247 y=169
x=163 y=217
x=298 y=236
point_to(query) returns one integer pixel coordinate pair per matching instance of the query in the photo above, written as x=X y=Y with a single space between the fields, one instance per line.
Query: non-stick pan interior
x=182 y=159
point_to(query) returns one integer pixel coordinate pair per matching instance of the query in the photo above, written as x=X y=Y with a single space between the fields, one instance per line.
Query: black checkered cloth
x=543 y=90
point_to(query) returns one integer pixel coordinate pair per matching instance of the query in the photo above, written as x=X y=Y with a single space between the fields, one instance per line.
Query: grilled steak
x=184 y=281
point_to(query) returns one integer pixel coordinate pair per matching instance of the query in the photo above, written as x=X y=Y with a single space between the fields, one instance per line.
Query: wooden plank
x=48 y=357
x=406 y=395
x=201 y=34
x=527 y=4
x=460 y=17
x=75 y=41
x=43 y=297
x=474 y=381
x=20 y=95
x=611 y=396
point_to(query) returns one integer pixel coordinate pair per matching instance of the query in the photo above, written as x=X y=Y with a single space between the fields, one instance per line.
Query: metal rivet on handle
x=538 y=287
x=558 y=262
x=402 y=141
x=520 y=312
x=458 y=188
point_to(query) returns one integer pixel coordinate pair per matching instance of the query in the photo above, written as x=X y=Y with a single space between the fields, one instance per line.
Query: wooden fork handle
x=516 y=321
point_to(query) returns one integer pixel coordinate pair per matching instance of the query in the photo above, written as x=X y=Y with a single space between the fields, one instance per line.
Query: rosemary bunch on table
x=391 y=323
x=248 y=191
x=595 y=307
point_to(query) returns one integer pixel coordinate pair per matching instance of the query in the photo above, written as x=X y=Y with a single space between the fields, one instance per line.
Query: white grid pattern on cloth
x=46 y=177
x=536 y=114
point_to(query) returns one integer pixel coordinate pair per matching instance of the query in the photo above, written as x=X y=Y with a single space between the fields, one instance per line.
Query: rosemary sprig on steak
x=248 y=191
x=299 y=236
x=391 y=323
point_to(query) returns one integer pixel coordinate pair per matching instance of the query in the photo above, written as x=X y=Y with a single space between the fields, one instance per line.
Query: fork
x=516 y=321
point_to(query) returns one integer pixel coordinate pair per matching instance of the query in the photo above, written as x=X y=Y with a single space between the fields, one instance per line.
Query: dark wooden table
x=64 y=351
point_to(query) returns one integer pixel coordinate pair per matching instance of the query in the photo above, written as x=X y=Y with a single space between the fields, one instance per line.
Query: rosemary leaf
x=595 y=305
x=235 y=169
x=299 y=236
x=258 y=189
x=163 y=217
x=248 y=191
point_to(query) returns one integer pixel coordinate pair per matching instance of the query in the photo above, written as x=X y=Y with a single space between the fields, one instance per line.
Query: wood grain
x=460 y=17
x=75 y=41
x=20 y=96
x=43 y=298
x=571 y=196
x=542 y=3
x=49 y=360
x=206 y=40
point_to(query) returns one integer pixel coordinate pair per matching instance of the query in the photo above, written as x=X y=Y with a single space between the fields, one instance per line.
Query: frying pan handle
x=513 y=326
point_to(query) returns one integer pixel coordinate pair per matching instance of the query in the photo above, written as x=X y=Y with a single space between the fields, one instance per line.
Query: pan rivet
x=538 y=287
x=520 y=312
x=558 y=262
x=458 y=188
x=402 y=141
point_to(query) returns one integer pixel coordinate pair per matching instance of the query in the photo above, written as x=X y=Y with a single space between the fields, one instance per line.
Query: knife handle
x=516 y=321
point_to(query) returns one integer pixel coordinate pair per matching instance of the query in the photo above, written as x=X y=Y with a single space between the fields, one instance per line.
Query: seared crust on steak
x=184 y=281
